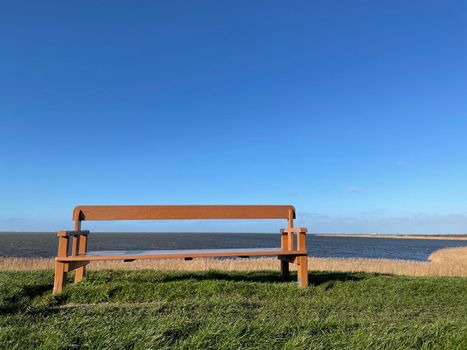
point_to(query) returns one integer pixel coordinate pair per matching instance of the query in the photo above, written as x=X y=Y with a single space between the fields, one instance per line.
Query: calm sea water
x=45 y=244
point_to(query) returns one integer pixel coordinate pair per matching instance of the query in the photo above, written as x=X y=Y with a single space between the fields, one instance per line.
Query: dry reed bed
x=444 y=262
x=452 y=255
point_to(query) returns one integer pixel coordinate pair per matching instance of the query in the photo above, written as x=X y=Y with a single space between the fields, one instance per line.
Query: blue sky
x=353 y=111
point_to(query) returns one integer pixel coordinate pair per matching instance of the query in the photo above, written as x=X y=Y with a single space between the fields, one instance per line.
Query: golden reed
x=444 y=262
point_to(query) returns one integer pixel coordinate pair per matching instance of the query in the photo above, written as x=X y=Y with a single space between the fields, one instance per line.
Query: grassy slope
x=229 y=310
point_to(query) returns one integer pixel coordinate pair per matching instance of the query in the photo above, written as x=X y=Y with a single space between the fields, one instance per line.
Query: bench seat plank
x=168 y=254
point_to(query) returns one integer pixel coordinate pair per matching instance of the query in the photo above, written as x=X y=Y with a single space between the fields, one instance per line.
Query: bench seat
x=185 y=253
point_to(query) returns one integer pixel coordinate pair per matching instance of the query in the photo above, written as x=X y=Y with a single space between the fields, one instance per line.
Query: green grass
x=230 y=310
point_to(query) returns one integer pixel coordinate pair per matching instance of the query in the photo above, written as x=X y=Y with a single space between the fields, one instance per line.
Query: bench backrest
x=181 y=212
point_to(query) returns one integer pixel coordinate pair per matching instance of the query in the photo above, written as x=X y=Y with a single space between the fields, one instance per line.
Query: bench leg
x=285 y=270
x=59 y=278
x=79 y=274
x=302 y=272
x=82 y=246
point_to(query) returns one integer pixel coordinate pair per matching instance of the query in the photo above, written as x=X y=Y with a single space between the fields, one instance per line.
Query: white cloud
x=288 y=194
x=352 y=189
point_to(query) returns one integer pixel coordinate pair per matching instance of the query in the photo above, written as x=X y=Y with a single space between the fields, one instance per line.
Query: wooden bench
x=77 y=257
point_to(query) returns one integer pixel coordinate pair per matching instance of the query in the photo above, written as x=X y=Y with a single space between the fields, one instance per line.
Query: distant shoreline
x=447 y=237
x=366 y=235
x=440 y=237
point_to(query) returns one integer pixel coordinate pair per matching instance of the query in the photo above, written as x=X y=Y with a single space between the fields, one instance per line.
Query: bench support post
x=285 y=271
x=302 y=261
x=60 y=267
x=287 y=244
x=60 y=276
x=302 y=274
x=82 y=246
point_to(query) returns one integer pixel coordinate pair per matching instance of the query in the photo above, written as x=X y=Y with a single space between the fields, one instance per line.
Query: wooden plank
x=82 y=246
x=290 y=217
x=301 y=241
x=285 y=268
x=62 y=245
x=74 y=245
x=302 y=273
x=59 y=276
x=290 y=241
x=172 y=254
x=60 y=267
x=284 y=240
x=180 y=212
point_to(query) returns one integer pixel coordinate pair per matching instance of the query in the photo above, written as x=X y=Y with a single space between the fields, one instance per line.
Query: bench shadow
x=315 y=278
x=22 y=299
x=318 y=278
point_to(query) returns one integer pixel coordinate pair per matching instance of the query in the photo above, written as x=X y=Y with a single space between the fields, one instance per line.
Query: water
x=45 y=244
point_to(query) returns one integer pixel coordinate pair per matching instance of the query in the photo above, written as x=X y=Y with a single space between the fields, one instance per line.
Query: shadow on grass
x=24 y=296
x=29 y=292
x=315 y=278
